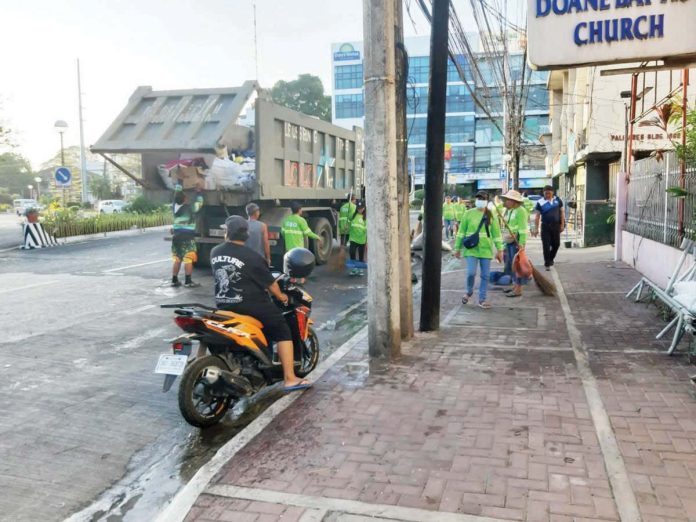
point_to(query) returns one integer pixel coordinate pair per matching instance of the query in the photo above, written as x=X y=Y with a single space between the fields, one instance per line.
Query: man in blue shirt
x=552 y=217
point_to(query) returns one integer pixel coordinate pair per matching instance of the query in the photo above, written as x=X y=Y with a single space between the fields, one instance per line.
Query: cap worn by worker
x=482 y=194
x=237 y=228
x=251 y=209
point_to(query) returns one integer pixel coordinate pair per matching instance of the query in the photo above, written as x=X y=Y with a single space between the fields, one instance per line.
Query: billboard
x=575 y=33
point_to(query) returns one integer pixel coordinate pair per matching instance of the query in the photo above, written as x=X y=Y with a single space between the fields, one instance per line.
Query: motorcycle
x=233 y=359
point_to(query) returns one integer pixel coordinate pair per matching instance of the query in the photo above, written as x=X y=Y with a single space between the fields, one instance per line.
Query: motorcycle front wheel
x=310 y=355
x=198 y=406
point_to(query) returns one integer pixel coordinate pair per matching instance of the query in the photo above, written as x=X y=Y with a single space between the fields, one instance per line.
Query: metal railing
x=651 y=211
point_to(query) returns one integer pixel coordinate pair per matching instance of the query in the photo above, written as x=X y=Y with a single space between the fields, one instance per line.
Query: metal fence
x=652 y=211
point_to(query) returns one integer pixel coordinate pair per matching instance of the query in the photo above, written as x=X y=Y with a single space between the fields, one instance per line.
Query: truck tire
x=204 y=255
x=321 y=227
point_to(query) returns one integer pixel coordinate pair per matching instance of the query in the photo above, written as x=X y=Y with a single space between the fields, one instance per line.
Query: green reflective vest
x=485 y=247
x=518 y=222
x=344 y=215
x=294 y=230
x=358 y=230
x=449 y=211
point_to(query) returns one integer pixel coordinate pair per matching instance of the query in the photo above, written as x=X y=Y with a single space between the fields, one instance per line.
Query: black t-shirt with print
x=241 y=276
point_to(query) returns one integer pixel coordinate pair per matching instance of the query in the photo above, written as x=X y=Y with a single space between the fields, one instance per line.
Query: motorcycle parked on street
x=234 y=360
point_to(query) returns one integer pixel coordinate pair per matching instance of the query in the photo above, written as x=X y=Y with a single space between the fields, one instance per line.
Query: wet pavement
x=84 y=426
x=564 y=410
x=10 y=230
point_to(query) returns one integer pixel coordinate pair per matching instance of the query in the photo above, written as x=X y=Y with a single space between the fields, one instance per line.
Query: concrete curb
x=182 y=502
x=92 y=237
x=106 y=235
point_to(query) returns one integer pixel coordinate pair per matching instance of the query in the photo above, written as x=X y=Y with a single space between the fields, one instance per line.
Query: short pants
x=184 y=250
x=275 y=327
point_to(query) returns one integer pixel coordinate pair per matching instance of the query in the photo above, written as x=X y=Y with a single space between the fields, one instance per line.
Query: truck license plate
x=171 y=364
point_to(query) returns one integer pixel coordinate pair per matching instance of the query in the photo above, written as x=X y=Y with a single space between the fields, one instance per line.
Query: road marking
x=8 y=290
x=182 y=501
x=624 y=497
x=339 y=505
x=121 y=268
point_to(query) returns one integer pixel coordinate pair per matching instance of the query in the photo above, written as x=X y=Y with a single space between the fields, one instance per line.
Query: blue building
x=476 y=143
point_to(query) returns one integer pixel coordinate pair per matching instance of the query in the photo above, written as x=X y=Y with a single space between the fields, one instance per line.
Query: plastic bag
x=521 y=265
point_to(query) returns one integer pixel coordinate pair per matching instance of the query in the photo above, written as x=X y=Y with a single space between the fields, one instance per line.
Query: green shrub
x=67 y=222
x=142 y=205
x=419 y=194
x=416 y=204
x=5 y=207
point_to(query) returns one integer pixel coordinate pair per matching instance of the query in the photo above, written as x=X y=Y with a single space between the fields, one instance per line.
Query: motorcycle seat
x=245 y=318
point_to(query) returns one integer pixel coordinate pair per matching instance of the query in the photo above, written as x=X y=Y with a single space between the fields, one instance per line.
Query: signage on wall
x=346 y=52
x=574 y=33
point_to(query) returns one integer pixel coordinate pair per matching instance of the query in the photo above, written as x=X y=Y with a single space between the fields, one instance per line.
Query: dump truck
x=285 y=155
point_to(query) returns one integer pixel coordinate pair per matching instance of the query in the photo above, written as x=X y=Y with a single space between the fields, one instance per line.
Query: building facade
x=587 y=141
x=477 y=148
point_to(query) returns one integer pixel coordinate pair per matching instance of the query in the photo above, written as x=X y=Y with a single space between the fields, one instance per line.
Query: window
x=417 y=100
x=488 y=159
x=535 y=126
x=459 y=99
x=460 y=129
x=462 y=160
x=349 y=76
x=416 y=130
x=538 y=99
x=453 y=73
x=349 y=106
x=487 y=132
x=418 y=69
x=419 y=156
x=492 y=99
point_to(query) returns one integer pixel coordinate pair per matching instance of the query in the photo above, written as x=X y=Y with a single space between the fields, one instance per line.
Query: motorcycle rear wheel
x=197 y=404
x=311 y=355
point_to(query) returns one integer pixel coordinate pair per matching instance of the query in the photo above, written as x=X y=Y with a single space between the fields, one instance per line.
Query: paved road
x=10 y=230
x=82 y=416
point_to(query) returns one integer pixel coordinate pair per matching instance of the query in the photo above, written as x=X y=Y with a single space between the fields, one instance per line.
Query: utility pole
x=384 y=332
x=403 y=190
x=83 y=156
x=434 y=168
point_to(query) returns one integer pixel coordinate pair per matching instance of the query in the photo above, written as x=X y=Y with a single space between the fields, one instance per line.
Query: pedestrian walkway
x=542 y=409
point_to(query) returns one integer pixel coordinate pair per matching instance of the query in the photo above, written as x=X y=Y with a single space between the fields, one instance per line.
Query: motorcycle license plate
x=171 y=364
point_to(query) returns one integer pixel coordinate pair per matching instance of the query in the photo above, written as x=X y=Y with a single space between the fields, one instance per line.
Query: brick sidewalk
x=486 y=421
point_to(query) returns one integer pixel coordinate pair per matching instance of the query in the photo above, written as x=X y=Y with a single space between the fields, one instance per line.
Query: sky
x=167 y=44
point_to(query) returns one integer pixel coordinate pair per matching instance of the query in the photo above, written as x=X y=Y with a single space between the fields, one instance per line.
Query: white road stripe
x=339 y=505
x=624 y=497
x=17 y=289
x=121 y=268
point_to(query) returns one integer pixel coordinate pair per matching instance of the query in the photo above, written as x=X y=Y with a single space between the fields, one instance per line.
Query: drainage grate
x=498 y=317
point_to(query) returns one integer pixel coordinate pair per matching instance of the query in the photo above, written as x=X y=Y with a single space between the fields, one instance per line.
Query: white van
x=22 y=205
x=111 y=206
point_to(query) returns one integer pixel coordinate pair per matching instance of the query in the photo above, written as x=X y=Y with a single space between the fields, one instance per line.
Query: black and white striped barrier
x=36 y=237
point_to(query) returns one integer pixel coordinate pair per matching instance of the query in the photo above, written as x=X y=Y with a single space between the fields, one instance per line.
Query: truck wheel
x=204 y=255
x=322 y=228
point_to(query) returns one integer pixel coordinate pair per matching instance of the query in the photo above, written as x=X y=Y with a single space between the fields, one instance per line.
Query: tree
x=6 y=135
x=306 y=95
x=15 y=173
x=101 y=188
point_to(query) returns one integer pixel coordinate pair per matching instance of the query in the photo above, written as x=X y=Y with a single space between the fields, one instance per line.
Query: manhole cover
x=499 y=317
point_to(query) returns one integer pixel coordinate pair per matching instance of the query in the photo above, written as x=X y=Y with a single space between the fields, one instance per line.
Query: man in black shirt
x=550 y=212
x=242 y=284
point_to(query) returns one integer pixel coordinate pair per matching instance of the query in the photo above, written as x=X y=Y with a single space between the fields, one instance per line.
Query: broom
x=339 y=254
x=545 y=286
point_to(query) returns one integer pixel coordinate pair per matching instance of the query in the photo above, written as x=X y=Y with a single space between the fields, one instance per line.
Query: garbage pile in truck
x=223 y=171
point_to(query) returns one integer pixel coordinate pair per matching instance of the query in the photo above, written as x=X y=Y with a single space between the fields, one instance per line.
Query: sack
x=472 y=241
x=522 y=266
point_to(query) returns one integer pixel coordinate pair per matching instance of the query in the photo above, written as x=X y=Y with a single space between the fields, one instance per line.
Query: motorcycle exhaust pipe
x=228 y=382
